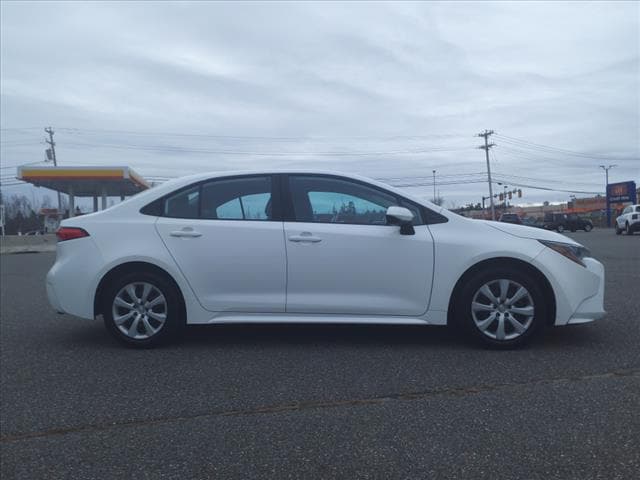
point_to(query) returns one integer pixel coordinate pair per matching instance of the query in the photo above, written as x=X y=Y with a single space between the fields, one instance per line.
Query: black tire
x=627 y=230
x=588 y=227
x=462 y=314
x=560 y=228
x=618 y=230
x=174 y=323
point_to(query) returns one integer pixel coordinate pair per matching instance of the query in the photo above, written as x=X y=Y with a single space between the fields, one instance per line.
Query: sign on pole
x=623 y=192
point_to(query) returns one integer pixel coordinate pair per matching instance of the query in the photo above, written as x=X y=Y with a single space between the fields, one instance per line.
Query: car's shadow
x=314 y=334
x=332 y=335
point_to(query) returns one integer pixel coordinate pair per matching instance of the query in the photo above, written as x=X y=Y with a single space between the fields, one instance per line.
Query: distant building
x=587 y=205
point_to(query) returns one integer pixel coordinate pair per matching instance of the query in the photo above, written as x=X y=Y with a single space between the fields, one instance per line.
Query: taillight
x=70 y=233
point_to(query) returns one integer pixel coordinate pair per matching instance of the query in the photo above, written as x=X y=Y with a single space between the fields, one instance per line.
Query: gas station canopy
x=85 y=181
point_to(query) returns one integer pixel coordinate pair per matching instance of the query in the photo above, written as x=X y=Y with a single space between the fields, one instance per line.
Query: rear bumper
x=70 y=281
x=53 y=298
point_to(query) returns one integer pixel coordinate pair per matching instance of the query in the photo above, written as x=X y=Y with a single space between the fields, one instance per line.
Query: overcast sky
x=387 y=90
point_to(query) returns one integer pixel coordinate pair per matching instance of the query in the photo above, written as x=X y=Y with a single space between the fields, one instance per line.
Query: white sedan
x=306 y=247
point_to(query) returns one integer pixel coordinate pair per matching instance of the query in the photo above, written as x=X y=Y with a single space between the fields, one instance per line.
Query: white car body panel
x=451 y=239
x=356 y=274
x=358 y=269
x=233 y=266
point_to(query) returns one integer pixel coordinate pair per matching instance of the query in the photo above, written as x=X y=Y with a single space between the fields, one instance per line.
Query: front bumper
x=578 y=290
x=591 y=308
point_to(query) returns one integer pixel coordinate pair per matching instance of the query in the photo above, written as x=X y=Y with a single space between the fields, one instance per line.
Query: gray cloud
x=330 y=77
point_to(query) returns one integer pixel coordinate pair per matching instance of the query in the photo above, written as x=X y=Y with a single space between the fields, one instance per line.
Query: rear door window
x=237 y=199
x=183 y=204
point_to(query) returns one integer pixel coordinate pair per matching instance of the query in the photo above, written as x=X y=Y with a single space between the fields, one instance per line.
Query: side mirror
x=403 y=217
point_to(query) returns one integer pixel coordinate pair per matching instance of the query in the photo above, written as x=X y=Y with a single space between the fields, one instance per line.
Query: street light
x=606 y=186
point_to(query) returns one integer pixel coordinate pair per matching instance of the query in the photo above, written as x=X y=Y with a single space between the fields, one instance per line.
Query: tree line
x=21 y=215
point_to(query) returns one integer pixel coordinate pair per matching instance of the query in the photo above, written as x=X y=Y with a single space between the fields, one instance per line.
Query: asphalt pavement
x=319 y=401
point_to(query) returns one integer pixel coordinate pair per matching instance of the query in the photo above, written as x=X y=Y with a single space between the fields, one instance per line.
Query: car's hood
x=528 y=232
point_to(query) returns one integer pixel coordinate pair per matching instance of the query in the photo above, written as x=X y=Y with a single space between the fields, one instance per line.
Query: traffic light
x=519 y=193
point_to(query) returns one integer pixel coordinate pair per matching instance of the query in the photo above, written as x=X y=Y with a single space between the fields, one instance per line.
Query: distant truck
x=561 y=222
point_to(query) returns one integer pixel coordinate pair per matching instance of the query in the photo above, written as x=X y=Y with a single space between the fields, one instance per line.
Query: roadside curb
x=27 y=249
x=10 y=244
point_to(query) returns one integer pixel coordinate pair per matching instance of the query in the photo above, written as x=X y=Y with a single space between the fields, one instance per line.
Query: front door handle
x=186 y=232
x=304 y=237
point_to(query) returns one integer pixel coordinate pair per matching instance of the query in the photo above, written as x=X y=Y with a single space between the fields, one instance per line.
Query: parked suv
x=510 y=218
x=562 y=222
x=629 y=220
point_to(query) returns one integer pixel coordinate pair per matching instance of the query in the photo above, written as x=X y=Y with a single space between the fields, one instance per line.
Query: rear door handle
x=186 y=232
x=304 y=237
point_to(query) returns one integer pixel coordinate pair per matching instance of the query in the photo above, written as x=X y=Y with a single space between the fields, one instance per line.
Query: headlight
x=574 y=253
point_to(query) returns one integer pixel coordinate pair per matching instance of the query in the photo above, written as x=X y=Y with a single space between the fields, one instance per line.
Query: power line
x=429 y=184
x=254 y=137
x=22 y=164
x=429 y=177
x=551 y=149
x=517 y=184
x=506 y=175
x=180 y=149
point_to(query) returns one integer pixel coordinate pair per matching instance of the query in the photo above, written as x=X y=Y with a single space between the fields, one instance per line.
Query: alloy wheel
x=502 y=309
x=139 y=310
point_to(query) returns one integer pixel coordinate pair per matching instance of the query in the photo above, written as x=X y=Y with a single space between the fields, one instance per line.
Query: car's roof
x=176 y=183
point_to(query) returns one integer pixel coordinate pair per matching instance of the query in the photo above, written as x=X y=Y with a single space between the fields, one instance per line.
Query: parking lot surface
x=319 y=401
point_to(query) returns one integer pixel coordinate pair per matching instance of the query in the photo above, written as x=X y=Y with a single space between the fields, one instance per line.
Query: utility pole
x=51 y=143
x=434 y=186
x=606 y=193
x=486 y=134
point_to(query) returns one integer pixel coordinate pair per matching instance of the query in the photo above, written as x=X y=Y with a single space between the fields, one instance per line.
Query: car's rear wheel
x=143 y=310
x=588 y=227
x=560 y=228
x=501 y=307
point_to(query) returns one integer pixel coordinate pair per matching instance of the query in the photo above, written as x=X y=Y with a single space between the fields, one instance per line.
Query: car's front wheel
x=143 y=310
x=627 y=229
x=560 y=228
x=588 y=227
x=501 y=307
